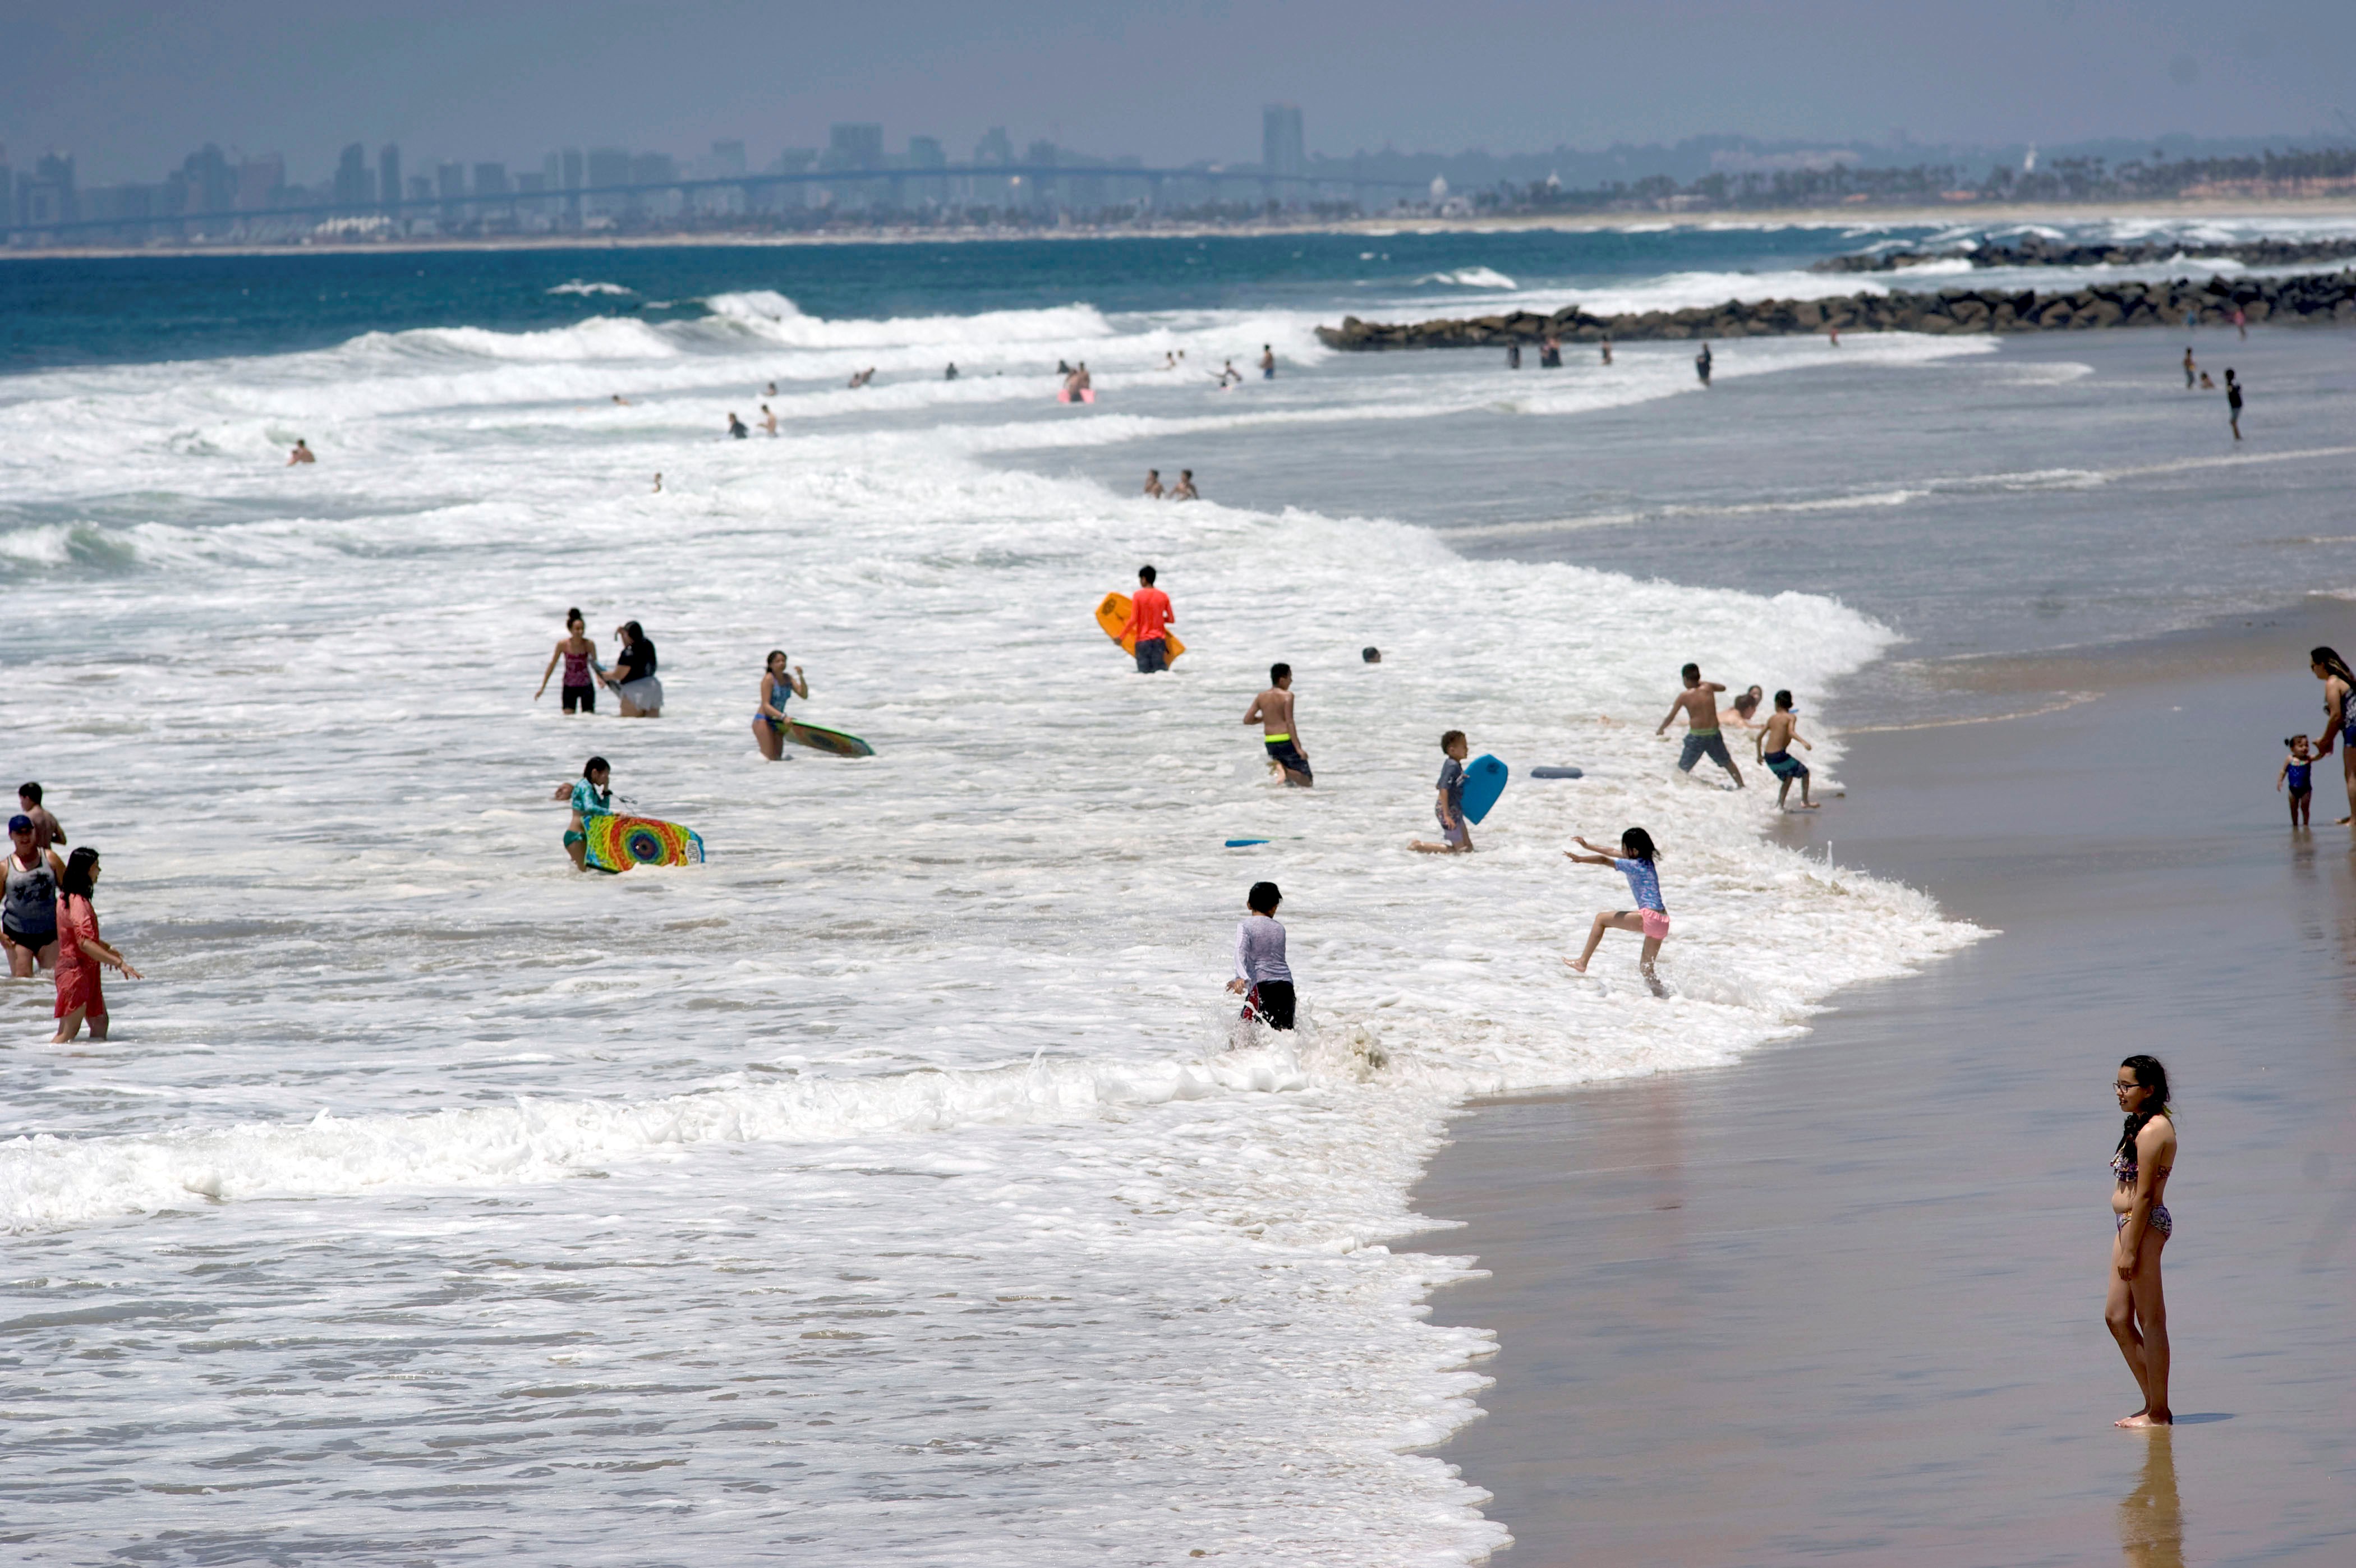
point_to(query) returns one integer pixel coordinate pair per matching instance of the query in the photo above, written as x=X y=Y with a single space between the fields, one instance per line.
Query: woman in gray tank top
x=28 y=914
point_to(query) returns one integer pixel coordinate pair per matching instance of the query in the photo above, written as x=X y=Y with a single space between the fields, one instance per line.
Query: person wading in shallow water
x=2136 y=1309
x=2339 y=716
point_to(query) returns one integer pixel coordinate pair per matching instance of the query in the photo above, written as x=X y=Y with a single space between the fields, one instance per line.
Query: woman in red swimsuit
x=81 y=952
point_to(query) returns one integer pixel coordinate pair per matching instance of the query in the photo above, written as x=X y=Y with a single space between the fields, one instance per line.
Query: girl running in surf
x=769 y=720
x=1651 y=915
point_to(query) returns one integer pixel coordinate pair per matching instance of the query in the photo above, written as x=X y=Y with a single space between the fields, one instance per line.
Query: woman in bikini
x=580 y=657
x=2339 y=716
x=769 y=720
x=2135 y=1310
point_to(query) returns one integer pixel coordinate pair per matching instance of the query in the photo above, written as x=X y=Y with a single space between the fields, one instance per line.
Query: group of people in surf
x=47 y=919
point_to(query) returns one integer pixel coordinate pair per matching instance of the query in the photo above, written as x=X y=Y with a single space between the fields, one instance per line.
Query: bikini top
x=2126 y=1169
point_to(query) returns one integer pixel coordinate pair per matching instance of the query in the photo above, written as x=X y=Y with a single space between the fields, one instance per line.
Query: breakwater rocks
x=2316 y=297
x=2035 y=250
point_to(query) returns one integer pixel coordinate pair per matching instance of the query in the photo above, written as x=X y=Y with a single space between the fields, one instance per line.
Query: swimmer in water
x=1774 y=749
x=768 y=420
x=1184 y=491
x=48 y=831
x=1635 y=861
x=769 y=720
x=81 y=952
x=772 y=391
x=1266 y=363
x=1262 y=978
x=620 y=400
x=29 y=919
x=657 y=489
x=580 y=657
x=1272 y=711
x=2137 y=1309
x=1702 y=362
x=301 y=454
x=736 y=427
x=1698 y=703
x=1153 y=483
x=951 y=373
x=2295 y=775
x=592 y=795
x=1607 y=350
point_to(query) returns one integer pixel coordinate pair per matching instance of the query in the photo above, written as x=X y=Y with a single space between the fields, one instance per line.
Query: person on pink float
x=1651 y=915
x=81 y=952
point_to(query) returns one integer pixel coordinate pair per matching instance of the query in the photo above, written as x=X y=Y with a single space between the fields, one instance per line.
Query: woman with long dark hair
x=633 y=679
x=81 y=952
x=2339 y=716
x=2137 y=1309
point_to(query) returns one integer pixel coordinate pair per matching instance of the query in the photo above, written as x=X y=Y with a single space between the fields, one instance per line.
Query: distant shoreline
x=1957 y=215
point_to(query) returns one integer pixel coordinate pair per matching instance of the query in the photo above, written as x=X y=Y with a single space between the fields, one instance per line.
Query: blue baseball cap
x=20 y=824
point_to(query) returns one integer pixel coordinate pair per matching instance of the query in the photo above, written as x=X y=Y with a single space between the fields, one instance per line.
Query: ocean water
x=898 y=1183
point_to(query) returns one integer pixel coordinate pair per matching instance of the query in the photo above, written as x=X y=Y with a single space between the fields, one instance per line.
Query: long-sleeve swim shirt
x=1259 y=950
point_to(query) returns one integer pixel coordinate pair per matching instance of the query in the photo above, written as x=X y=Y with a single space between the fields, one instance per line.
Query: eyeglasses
x=2123 y=1087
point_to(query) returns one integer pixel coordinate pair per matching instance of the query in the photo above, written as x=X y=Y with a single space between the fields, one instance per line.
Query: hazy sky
x=131 y=89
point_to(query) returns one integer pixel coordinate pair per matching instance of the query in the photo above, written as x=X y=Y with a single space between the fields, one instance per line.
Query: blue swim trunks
x=1704 y=743
x=1786 y=766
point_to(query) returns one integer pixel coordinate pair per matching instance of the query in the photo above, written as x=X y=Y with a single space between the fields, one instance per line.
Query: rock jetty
x=2316 y=297
x=2035 y=251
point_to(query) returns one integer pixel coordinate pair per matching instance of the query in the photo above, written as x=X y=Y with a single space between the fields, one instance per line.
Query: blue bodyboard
x=1484 y=780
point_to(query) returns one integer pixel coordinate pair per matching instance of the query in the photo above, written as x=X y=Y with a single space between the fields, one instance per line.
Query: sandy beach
x=1842 y=1301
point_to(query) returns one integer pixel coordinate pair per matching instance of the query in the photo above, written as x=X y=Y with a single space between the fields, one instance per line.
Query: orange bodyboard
x=1113 y=615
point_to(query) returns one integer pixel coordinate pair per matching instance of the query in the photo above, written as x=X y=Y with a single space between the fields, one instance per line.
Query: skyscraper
x=1281 y=150
x=854 y=146
x=388 y=174
x=355 y=187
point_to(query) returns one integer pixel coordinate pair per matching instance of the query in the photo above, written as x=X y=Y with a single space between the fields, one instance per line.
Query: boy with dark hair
x=1698 y=703
x=1150 y=616
x=1272 y=711
x=46 y=829
x=1262 y=978
x=1774 y=749
x=1456 y=833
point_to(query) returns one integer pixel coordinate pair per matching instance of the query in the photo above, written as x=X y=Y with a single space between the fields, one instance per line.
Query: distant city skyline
x=128 y=91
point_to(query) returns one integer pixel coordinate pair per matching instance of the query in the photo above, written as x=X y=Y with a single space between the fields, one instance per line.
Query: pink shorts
x=1656 y=924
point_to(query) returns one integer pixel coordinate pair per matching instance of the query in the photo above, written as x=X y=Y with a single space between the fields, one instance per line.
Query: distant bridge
x=571 y=198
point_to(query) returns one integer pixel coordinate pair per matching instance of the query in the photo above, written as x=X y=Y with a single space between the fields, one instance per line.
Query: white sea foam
x=913 y=1117
x=579 y=287
x=1470 y=278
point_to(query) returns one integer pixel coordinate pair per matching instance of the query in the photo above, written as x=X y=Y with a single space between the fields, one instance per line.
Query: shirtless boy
x=1272 y=711
x=1698 y=703
x=1775 y=750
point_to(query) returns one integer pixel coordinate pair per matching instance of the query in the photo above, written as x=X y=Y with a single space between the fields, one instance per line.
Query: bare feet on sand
x=2146 y=1418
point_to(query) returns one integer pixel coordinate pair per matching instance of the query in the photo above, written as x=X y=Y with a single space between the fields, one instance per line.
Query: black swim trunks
x=583 y=698
x=1289 y=756
x=1271 y=1003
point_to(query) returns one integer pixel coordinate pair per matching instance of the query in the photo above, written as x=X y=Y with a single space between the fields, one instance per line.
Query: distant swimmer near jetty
x=579 y=653
x=301 y=454
x=951 y=373
x=591 y=795
x=1774 y=749
x=1262 y=977
x=2137 y=1308
x=2233 y=403
x=1698 y=703
x=2190 y=368
x=1607 y=350
x=1266 y=363
x=2339 y=716
x=1150 y=619
x=769 y=719
x=1272 y=711
x=1636 y=862
x=1702 y=364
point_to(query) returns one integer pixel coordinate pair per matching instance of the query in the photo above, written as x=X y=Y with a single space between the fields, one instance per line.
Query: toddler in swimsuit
x=2295 y=776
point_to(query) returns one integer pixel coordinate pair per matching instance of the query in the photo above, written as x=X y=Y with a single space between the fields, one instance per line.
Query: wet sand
x=1843 y=1301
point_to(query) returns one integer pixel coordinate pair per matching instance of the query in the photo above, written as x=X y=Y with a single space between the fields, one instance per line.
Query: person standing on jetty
x=1262 y=978
x=2339 y=719
x=1272 y=711
x=2233 y=403
x=1698 y=703
x=2136 y=1309
x=1150 y=619
x=1701 y=364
